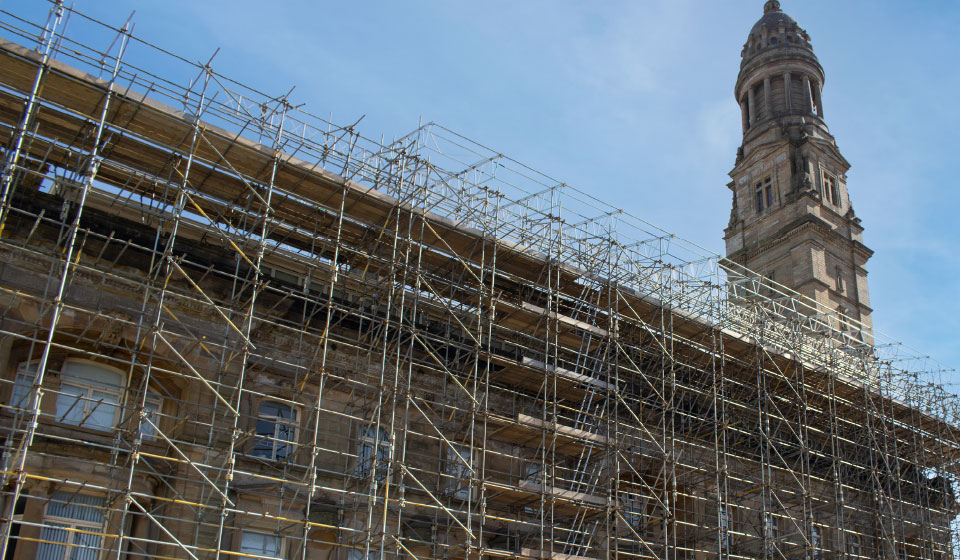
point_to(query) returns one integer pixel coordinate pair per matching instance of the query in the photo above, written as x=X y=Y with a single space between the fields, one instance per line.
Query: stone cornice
x=793 y=229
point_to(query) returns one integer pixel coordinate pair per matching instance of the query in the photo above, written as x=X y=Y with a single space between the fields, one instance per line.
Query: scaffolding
x=232 y=329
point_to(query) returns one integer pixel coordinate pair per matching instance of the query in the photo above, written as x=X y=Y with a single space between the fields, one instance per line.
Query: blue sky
x=630 y=100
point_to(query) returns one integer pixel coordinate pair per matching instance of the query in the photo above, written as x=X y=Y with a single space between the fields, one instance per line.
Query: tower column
x=807 y=96
x=767 y=98
x=752 y=103
x=788 y=91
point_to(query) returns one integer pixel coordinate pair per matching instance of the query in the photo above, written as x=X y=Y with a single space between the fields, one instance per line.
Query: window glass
x=724 y=527
x=22 y=396
x=261 y=544
x=355 y=554
x=633 y=511
x=66 y=515
x=89 y=395
x=276 y=431
x=816 y=542
x=373 y=448
x=458 y=470
x=152 y=406
x=853 y=545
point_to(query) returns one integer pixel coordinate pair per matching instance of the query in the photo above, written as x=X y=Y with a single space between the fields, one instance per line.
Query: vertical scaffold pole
x=89 y=175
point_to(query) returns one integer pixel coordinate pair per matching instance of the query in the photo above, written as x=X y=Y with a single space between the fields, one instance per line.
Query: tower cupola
x=780 y=75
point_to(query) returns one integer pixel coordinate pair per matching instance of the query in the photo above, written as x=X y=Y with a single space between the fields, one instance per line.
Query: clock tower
x=792 y=220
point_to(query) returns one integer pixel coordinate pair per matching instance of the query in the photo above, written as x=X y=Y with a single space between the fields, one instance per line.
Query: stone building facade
x=792 y=218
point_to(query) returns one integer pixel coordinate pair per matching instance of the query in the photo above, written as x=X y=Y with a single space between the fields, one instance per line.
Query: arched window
x=373 y=451
x=276 y=431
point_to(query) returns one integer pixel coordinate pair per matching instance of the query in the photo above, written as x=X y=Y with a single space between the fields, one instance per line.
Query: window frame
x=831 y=189
x=89 y=402
x=72 y=527
x=279 y=539
x=373 y=450
x=28 y=370
x=763 y=195
x=458 y=468
x=853 y=545
x=771 y=527
x=145 y=430
x=726 y=526
x=816 y=542
x=275 y=440
x=358 y=554
x=634 y=507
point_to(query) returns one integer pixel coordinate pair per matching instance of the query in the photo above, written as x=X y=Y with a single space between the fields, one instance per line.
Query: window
x=152 y=406
x=901 y=553
x=70 y=522
x=830 y=191
x=724 y=527
x=853 y=545
x=355 y=554
x=771 y=535
x=773 y=41
x=373 y=452
x=771 y=283
x=764 y=194
x=531 y=472
x=633 y=512
x=90 y=395
x=276 y=431
x=261 y=544
x=816 y=542
x=23 y=396
x=458 y=470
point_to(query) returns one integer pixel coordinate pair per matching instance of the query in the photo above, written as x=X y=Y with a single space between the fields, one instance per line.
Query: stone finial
x=771 y=6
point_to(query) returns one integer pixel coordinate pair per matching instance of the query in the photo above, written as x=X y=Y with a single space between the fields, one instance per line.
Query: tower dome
x=775 y=30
